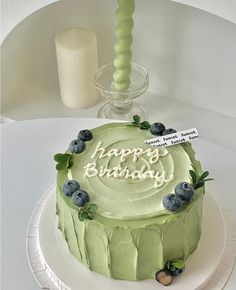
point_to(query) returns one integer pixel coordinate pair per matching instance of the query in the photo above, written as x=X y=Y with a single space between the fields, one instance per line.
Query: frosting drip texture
x=130 y=251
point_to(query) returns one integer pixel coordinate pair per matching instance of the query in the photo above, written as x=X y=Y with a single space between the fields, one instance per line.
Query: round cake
x=133 y=234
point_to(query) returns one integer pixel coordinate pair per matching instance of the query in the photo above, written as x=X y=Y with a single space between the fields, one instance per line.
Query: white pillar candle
x=76 y=50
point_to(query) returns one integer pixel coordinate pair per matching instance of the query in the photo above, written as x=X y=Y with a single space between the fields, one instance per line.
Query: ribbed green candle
x=123 y=32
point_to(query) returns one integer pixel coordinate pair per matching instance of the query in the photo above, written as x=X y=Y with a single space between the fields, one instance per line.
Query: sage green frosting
x=132 y=235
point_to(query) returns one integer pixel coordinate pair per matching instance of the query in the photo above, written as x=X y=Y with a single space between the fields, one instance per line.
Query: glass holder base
x=110 y=111
x=120 y=105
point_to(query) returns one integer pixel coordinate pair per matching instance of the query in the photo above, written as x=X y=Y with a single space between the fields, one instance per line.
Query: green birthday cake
x=129 y=210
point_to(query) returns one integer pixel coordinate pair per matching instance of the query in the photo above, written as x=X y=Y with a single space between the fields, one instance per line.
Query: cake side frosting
x=133 y=250
x=130 y=242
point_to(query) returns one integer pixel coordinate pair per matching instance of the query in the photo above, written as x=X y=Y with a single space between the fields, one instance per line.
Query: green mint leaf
x=93 y=208
x=169 y=266
x=90 y=207
x=208 y=179
x=59 y=157
x=193 y=176
x=88 y=211
x=203 y=176
x=194 y=168
x=68 y=155
x=81 y=218
x=61 y=166
x=87 y=206
x=67 y=163
x=136 y=119
x=82 y=215
x=91 y=215
x=179 y=264
x=64 y=161
x=198 y=185
x=145 y=125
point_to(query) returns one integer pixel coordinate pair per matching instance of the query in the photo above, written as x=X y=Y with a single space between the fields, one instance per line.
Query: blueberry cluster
x=72 y=188
x=183 y=192
x=78 y=145
x=159 y=129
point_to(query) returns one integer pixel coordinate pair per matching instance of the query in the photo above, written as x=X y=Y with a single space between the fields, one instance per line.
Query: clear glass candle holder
x=120 y=104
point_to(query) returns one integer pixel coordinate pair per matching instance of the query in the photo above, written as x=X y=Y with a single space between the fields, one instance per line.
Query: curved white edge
x=225 y=9
x=46 y=278
x=14 y=12
x=42 y=272
x=225 y=269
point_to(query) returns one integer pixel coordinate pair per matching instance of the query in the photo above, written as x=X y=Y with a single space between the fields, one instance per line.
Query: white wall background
x=222 y=8
x=14 y=11
x=190 y=54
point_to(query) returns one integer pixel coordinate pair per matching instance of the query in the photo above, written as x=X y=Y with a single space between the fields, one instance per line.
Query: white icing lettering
x=125 y=153
x=90 y=170
x=118 y=172
x=99 y=151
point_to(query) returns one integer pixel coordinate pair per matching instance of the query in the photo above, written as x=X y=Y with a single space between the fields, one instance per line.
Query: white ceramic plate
x=55 y=268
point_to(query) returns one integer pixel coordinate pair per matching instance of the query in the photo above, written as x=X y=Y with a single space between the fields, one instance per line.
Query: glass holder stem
x=121 y=105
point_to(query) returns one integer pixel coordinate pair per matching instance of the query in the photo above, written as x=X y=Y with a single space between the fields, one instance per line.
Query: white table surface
x=28 y=171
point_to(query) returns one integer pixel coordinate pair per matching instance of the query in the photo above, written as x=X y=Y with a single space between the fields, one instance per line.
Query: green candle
x=123 y=32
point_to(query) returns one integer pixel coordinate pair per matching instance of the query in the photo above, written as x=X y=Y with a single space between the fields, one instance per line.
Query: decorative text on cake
x=92 y=169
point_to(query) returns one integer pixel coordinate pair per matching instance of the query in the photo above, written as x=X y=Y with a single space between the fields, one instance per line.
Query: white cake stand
x=209 y=267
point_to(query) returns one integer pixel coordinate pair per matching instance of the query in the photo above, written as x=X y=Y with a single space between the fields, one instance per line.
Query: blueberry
x=85 y=135
x=77 y=146
x=168 y=131
x=164 y=277
x=157 y=129
x=176 y=272
x=70 y=186
x=172 y=202
x=80 y=198
x=184 y=190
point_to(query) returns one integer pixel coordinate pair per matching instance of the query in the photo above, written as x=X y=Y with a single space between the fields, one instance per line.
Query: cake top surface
x=127 y=178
